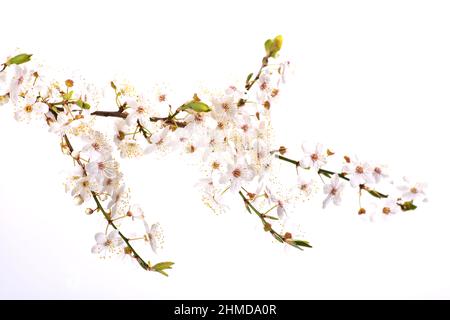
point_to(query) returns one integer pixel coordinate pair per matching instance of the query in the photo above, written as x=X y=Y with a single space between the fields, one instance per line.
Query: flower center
x=386 y=210
x=237 y=173
x=108 y=243
x=96 y=146
x=140 y=110
x=333 y=191
x=377 y=170
x=414 y=190
x=245 y=127
x=263 y=86
x=220 y=125
x=359 y=170
x=162 y=98
x=198 y=117
x=225 y=106
x=28 y=108
x=314 y=157
x=215 y=165
x=101 y=166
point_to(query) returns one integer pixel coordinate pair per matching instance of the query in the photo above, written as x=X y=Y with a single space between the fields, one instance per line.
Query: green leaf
x=249 y=77
x=324 y=173
x=162 y=266
x=79 y=103
x=197 y=106
x=376 y=194
x=162 y=272
x=276 y=236
x=82 y=104
x=408 y=205
x=19 y=59
x=68 y=95
x=302 y=243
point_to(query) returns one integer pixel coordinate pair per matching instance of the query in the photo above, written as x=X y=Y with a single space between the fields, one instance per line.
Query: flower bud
x=268 y=46
x=287 y=236
x=361 y=211
x=282 y=150
x=78 y=200
x=69 y=83
x=272 y=46
x=277 y=43
x=4 y=99
x=89 y=211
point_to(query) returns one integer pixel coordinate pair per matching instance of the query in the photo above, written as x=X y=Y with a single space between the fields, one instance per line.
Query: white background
x=372 y=78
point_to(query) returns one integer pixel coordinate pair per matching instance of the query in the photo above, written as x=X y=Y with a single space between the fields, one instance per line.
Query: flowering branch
x=230 y=132
x=129 y=248
x=286 y=238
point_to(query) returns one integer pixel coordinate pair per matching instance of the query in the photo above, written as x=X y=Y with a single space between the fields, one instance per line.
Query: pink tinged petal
x=153 y=244
x=307 y=148
x=100 y=238
x=326 y=201
x=41 y=107
x=146 y=226
x=337 y=199
x=114 y=234
x=281 y=212
x=97 y=249
x=355 y=181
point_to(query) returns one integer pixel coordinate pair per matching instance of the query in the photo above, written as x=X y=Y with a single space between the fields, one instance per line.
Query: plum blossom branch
x=107 y=216
x=286 y=238
x=228 y=132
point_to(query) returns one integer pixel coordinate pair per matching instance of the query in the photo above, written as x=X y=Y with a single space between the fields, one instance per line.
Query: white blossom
x=333 y=191
x=107 y=243
x=412 y=191
x=313 y=157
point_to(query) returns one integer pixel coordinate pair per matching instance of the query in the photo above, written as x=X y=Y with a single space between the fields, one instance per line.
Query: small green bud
x=273 y=46
x=277 y=43
x=268 y=46
x=19 y=59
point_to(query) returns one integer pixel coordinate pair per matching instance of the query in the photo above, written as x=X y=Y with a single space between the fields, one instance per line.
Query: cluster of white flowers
x=96 y=177
x=359 y=175
x=229 y=131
